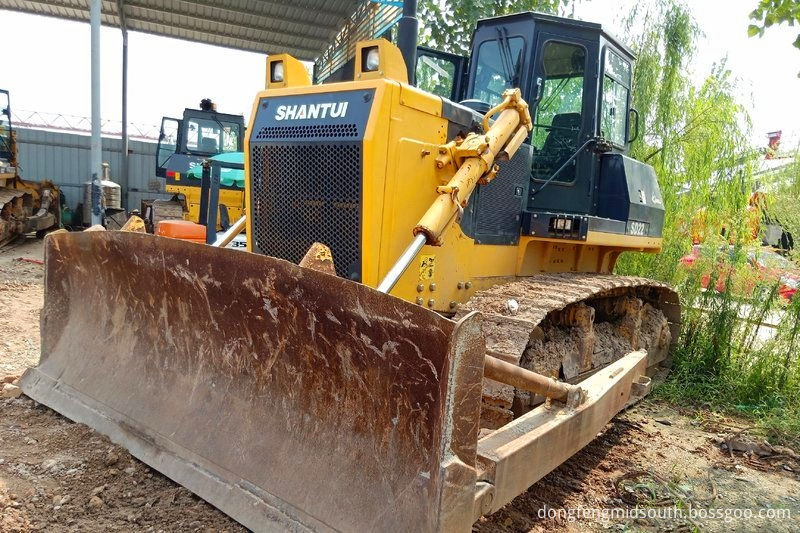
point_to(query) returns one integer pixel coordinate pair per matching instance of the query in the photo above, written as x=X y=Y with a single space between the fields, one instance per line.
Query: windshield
x=212 y=136
x=435 y=74
x=498 y=68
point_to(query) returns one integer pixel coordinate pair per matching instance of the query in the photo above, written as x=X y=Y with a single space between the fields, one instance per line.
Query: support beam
x=141 y=17
x=258 y=15
x=123 y=172
x=96 y=151
x=217 y=37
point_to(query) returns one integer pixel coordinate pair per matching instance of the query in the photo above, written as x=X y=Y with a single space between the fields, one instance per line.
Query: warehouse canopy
x=303 y=28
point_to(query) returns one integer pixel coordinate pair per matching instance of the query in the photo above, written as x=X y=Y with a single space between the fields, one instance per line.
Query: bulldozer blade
x=288 y=398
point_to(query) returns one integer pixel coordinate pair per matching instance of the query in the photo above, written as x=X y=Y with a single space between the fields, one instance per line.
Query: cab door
x=168 y=139
x=5 y=127
x=564 y=96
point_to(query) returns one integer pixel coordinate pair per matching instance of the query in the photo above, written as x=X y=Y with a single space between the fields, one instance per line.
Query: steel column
x=96 y=153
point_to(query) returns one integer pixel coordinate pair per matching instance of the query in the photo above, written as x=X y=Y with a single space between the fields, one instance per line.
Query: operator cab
x=556 y=63
x=573 y=172
x=201 y=134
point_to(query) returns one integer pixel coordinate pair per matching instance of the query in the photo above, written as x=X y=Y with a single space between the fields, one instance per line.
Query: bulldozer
x=183 y=145
x=25 y=206
x=427 y=321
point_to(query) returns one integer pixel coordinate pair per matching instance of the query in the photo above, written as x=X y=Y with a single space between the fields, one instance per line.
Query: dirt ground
x=56 y=475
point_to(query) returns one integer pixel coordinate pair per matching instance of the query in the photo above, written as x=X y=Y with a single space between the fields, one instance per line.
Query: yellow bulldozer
x=25 y=206
x=427 y=322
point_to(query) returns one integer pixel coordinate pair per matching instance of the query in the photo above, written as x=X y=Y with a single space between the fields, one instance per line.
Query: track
x=567 y=326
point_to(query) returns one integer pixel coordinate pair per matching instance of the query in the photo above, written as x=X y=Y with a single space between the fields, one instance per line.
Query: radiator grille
x=304 y=193
x=311 y=131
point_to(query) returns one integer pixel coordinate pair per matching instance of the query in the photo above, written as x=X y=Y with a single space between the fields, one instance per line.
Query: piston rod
x=521 y=378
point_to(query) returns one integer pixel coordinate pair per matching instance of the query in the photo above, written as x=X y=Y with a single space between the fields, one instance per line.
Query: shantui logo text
x=311 y=111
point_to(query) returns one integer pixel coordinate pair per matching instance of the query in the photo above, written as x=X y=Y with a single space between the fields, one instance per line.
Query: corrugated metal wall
x=64 y=158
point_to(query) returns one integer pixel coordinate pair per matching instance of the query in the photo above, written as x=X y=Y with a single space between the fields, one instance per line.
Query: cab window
x=498 y=68
x=211 y=136
x=435 y=75
x=167 y=141
x=616 y=91
x=558 y=115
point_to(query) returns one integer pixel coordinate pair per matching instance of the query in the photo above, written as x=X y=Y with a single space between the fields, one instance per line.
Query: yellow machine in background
x=26 y=206
x=423 y=275
x=183 y=145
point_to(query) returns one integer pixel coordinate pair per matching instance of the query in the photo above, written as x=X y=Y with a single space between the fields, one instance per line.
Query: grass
x=697 y=139
x=722 y=360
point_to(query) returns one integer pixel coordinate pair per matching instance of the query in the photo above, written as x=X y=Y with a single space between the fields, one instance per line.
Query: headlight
x=372 y=61
x=277 y=72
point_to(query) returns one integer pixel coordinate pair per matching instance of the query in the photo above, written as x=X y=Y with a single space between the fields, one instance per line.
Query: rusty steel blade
x=288 y=398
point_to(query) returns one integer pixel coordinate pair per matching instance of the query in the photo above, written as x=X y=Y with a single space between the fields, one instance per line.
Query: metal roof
x=303 y=28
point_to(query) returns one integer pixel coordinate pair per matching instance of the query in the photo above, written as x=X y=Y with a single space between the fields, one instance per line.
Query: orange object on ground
x=31 y=260
x=182 y=229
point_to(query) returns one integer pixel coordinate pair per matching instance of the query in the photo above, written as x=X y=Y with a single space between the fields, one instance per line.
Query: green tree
x=694 y=137
x=448 y=26
x=770 y=12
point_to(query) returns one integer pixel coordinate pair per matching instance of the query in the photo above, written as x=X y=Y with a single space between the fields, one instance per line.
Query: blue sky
x=51 y=73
